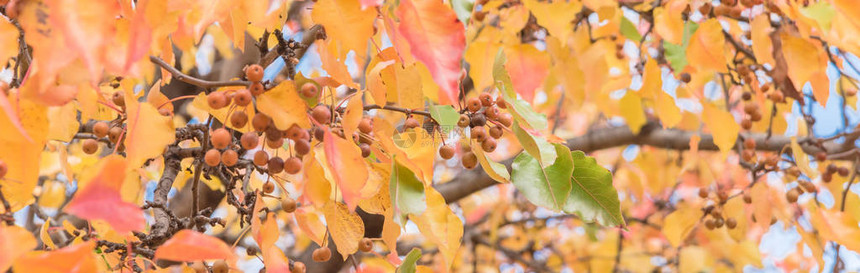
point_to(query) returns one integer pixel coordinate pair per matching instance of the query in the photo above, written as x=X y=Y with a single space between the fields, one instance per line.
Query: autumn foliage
x=429 y=135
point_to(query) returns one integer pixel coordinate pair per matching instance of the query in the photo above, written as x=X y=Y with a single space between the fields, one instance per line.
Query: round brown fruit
x=365 y=149
x=446 y=152
x=747 y=197
x=220 y=138
x=257 y=89
x=294 y=132
x=113 y=134
x=821 y=156
x=275 y=144
x=686 y=78
x=501 y=103
x=261 y=158
x=322 y=254
x=212 y=157
x=275 y=165
x=260 y=122
x=299 y=267
x=302 y=147
x=249 y=140
x=268 y=187
x=309 y=90
x=478 y=133
x=118 y=99
x=486 y=99
x=254 y=73
x=90 y=146
x=731 y=223
x=242 y=97
x=703 y=192
x=293 y=165
x=469 y=160
x=792 y=195
x=198 y=267
x=217 y=100
x=100 y=129
x=746 y=123
x=464 y=121
x=478 y=120
x=365 y=126
x=365 y=245
x=492 y=112
x=473 y=104
x=410 y=123
x=488 y=145
x=749 y=143
x=496 y=131
x=709 y=223
x=239 y=119
x=506 y=119
x=220 y=266
x=229 y=157
x=322 y=114
x=288 y=204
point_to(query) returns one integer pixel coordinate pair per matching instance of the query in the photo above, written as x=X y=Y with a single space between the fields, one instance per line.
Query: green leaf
x=520 y=109
x=446 y=115
x=536 y=146
x=409 y=264
x=629 y=30
x=677 y=54
x=463 y=9
x=407 y=192
x=497 y=171
x=547 y=186
x=593 y=198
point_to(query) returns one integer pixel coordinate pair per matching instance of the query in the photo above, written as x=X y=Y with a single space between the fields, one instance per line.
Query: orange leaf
x=528 y=67
x=87 y=26
x=77 y=258
x=273 y=257
x=310 y=223
x=148 y=132
x=20 y=154
x=188 y=246
x=9 y=36
x=437 y=39
x=706 y=49
x=762 y=45
x=347 y=166
x=806 y=62
x=347 y=23
x=14 y=242
x=100 y=198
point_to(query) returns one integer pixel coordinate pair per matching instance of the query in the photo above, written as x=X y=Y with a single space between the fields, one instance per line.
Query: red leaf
x=437 y=39
x=100 y=198
x=528 y=68
x=347 y=166
x=188 y=246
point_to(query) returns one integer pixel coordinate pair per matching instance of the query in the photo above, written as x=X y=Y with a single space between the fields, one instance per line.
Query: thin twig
x=192 y=80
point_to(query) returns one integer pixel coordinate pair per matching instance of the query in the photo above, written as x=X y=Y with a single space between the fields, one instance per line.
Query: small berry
x=275 y=144
x=299 y=267
x=473 y=104
x=220 y=266
x=212 y=157
x=254 y=73
x=488 y=145
x=217 y=100
x=731 y=223
x=709 y=224
x=501 y=103
x=478 y=120
x=260 y=122
x=293 y=165
x=365 y=126
x=703 y=192
x=268 y=187
x=365 y=149
x=749 y=143
x=478 y=133
x=118 y=99
x=288 y=204
x=747 y=197
x=90 y=146
x=261 y=158
x=746 y=96
x=718 y=223
x=486 y=99
x=492 y=112
x=322 y=114
x=446 y=152
x=777 y=96
x=792 y=195
x=252 y=251
x=723 y=196
x=322 y=254
x=113 y=134
x=686 y=78
x=464 y=121
x=249 y=140
x=229 y=157
x=365 y=245
x=410 y=123
x=239 y=119
x=843 y=171
x=302 y=147
x=821 y=156
x=469 y=160
x=496 y=131
x=199 y=267
x=273 y=133
x=257 y=89
x=746 y=123
x=506 y=119
x=294 y=132
x=100 y=129
x=220 y=138
x=319 y=133
x=275 y=165
x=309 y=90
x=242 y=97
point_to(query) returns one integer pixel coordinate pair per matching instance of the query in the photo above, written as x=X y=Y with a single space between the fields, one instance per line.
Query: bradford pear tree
x=428 y=135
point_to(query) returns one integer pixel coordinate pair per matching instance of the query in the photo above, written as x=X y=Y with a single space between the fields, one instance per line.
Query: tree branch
x=192 y=80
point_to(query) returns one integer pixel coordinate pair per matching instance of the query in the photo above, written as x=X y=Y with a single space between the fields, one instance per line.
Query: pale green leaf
x=407 y=192
x=409 y=264
x=592 y=197
x=548 y=186
x=536 y=146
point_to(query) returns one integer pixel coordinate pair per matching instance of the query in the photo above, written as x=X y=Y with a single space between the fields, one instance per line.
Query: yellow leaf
x=390 y=231
x=566 y=67
x=335 y=66
x=722 y=126
x=317 y=186
x=346 y=227
x=347 y=23
x=706 y=50
x=8 y=40
x=695 y=259
x=44 y=236
x=806 y=62
x=802 y=159
x=555 y=16
x=652 y=79
x=309 y=222
x=680 y=223
x=631 y=110
x=404 y=86
x=63 y=122
x=22 y=156
x=668 y=22
x=669 y=113
x=440 y=225
x=762 y=46
x=284 y=106
x=836 y=226
x=148 y=132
